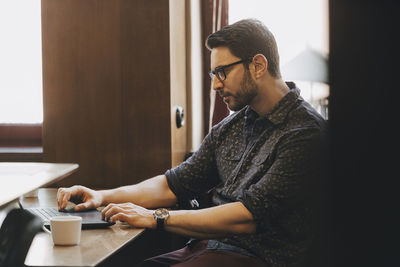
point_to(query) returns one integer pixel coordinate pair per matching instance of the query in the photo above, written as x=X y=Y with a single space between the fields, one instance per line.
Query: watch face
x=161 y=213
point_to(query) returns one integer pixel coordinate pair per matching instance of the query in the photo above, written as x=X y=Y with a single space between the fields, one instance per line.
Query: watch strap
x=160 y=223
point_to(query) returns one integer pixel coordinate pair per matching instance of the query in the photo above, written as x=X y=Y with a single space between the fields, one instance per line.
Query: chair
x=16 y=235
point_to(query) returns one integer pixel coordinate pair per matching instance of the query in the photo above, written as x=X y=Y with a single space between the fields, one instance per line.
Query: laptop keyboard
x=45 y=213
x=91 y=219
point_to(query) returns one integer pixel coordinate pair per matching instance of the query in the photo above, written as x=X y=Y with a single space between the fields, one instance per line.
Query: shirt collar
x=282 y=108
x=250 y=115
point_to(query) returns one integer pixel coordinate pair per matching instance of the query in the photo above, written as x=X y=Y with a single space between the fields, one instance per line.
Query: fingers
x=112 y=209
x=63 y=196
x=59 y=193
x=122 y=217
x=132 y=214
x=122 y=205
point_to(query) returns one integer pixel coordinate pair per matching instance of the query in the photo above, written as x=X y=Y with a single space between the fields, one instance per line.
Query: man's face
x=238 y=89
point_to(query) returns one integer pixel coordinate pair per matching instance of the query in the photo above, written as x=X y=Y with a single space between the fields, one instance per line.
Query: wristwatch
x=161 y=215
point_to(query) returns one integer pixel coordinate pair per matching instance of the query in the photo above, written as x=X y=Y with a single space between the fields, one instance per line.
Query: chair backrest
x=16 y=235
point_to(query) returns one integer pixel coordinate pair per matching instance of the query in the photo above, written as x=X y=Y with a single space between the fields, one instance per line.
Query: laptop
x=91 y=219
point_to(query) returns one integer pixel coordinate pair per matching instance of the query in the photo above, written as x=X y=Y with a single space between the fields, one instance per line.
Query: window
x=301 y=31
x=21 y=107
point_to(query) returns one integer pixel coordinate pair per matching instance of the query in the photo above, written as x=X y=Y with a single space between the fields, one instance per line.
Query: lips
x=226 y=99
x=223 y=95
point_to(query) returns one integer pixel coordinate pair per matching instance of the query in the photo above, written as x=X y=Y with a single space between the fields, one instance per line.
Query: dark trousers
x=198 y=255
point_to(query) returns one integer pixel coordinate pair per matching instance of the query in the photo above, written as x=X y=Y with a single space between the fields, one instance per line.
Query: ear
x=260 y=65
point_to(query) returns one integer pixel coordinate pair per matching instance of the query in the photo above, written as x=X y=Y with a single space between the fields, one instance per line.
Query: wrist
x=160 y=218
x=152 y=221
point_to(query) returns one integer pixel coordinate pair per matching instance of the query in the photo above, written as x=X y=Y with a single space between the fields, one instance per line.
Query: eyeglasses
x=220 y=73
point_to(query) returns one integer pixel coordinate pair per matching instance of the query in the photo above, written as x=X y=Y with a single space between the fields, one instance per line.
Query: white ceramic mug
x=65 y=230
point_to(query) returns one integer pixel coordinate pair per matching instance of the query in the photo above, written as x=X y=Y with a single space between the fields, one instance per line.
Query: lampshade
x=309 y=65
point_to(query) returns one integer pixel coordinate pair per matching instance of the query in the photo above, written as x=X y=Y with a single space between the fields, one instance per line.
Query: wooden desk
x=19 y=178
x=96 y=245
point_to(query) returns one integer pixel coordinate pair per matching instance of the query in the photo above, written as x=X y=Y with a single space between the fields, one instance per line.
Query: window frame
x=19 y=135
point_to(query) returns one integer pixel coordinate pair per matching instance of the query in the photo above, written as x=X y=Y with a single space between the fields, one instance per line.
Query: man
x=258 y=163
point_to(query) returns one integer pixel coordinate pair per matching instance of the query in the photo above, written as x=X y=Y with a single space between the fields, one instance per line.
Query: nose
x=217 y=84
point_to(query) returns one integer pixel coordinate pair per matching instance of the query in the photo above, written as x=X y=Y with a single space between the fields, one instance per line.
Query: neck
x=270 y=92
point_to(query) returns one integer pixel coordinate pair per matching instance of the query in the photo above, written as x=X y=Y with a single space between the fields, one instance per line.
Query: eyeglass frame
x=221 y=69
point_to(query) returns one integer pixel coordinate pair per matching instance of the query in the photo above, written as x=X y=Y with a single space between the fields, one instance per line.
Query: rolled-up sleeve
x=197 y=174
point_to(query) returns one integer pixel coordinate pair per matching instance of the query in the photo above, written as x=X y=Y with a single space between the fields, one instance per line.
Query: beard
x=243 y=97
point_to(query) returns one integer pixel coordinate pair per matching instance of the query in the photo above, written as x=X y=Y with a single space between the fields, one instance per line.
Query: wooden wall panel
x=106 y=89
x=81 y=88
x=145 y=88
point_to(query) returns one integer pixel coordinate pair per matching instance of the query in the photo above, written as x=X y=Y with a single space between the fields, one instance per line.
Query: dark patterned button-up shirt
x=267 y=164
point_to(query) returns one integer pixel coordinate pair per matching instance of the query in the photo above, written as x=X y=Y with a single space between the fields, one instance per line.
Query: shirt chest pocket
x=227 y=162
x=263 y=157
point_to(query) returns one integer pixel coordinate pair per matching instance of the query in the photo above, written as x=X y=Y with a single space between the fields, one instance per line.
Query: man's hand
x=84 y=197
x=130 y=213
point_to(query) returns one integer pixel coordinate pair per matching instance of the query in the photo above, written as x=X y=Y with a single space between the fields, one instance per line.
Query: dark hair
x=245 y=39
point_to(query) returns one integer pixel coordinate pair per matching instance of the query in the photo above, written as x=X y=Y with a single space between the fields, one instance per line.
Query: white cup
x=65 y=230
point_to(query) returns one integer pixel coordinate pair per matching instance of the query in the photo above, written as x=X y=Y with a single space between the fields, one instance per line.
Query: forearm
x=220 y=221
x=151 y=193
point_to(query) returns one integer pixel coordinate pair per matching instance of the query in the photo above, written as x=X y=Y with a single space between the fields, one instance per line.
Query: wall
x=107 y=89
